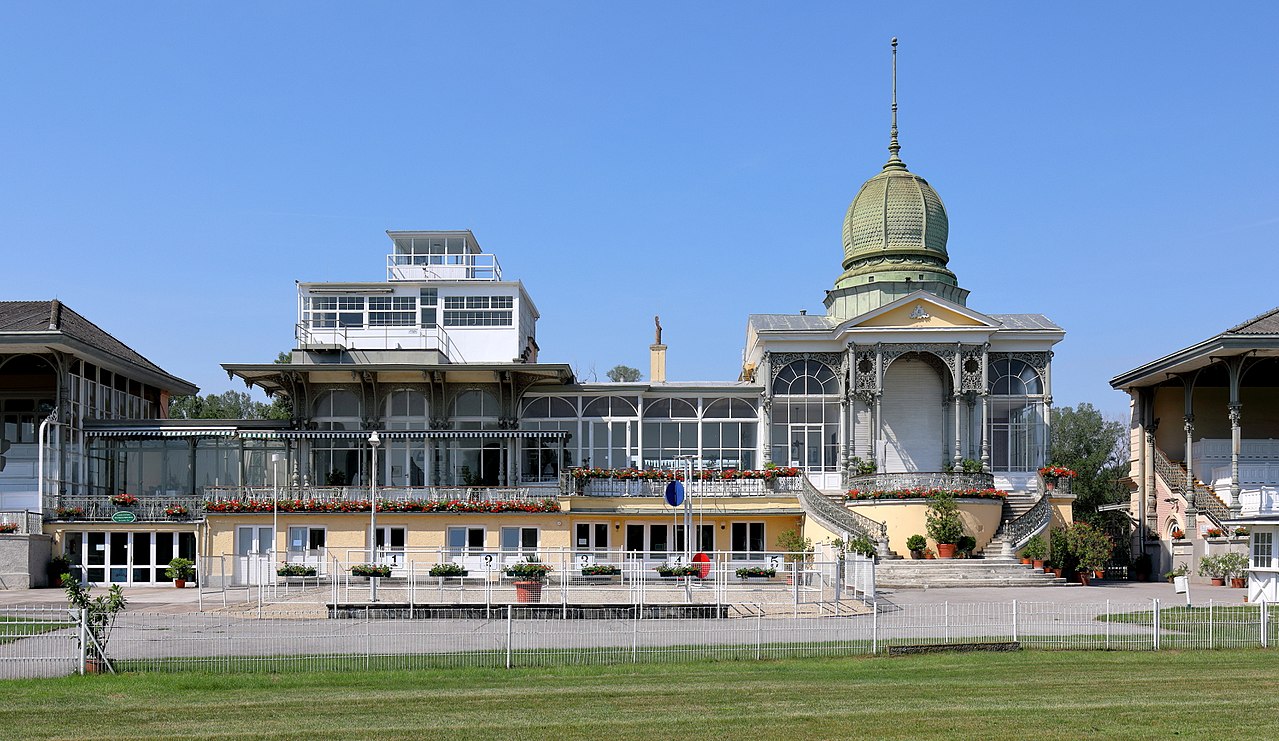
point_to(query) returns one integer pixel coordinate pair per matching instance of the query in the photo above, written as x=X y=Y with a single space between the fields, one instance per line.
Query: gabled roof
x=789 y=322
x=1024 y=321
x=895 y=310
x=46 y=320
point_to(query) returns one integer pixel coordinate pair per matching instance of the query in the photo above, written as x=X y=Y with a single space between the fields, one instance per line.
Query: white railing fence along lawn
x=51 y=642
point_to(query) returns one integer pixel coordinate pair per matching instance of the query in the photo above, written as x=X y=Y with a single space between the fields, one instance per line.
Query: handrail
x=927 y=480
x=1201 y=498
x=836 y=518
x=1019 y=531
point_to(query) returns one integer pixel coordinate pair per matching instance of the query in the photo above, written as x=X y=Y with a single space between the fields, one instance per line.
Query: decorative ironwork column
x=1236 y=433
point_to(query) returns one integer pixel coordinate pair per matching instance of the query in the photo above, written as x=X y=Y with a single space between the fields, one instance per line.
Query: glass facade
x=1018 y=429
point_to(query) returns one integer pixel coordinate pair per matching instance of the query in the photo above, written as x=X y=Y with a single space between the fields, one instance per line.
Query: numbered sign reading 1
x=675 y=493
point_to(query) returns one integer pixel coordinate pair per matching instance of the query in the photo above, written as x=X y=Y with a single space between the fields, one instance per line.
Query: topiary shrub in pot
x=916 y=545
x=180 y=570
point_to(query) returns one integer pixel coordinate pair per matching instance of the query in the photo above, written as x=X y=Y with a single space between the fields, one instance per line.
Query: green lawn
x=1034 y=694
x=17 y=628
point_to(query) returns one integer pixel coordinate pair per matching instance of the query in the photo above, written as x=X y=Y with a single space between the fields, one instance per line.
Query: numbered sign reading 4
x=674 y=494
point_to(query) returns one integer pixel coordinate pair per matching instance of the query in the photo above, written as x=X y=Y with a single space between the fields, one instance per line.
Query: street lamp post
x=374 y=442
x=275 y=506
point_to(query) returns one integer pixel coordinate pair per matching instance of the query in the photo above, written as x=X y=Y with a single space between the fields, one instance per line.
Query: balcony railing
x=920 y=480
x=713 y=488
x=148 y=509
x=378 y=338
x=391 y=493
x=470 y=266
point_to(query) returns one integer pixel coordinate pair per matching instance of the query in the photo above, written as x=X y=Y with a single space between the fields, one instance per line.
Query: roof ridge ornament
x=894 y=147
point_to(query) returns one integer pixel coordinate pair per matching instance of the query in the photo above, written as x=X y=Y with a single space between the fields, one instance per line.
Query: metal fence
x=50 y=642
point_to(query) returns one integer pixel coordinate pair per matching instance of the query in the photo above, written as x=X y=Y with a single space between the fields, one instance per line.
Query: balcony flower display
x=384 y=505
x=176 y=510
x=1241 y=531
x=8 y=528
x=727 y=474
x=756 y=572
x=68 y=513
x=1214 y=532
x=925 y=493
x=124 y=500
x=1057 y=472
x=686 y=569
x=600 y=570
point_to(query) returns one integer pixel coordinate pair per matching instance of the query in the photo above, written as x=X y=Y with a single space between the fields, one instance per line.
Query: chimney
x=657 y=356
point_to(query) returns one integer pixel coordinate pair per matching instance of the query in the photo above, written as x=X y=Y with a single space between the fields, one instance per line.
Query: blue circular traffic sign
x=674 y=494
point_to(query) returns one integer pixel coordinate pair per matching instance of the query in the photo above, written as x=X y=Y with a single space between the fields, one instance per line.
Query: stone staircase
x=967 y=572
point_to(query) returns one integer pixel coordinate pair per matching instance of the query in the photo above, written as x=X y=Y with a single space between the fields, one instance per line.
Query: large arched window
x=729 y=434
x=805 y=430
x=474 y=461
x=1018 y=433
x=542 y=458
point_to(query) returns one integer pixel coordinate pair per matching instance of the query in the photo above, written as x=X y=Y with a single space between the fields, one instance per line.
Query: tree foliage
x=1097 y=450
x=227 y=405
x=623 y=374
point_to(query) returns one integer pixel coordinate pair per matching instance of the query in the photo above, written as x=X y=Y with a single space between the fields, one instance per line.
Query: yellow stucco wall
x=909 y=517
x=939 y=316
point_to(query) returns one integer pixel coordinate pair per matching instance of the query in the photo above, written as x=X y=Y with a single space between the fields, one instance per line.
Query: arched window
x=1014 y=377
x=1018 y=432
x=338 y=462
x=548 y=407
x=805 y=429
x=338 y=410
x=805 y=377
x=542 y=458
x=729 y=409
x=474 y=404
x=670 y=409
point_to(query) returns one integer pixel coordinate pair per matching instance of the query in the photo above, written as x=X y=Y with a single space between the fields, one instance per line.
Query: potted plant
x=68 y=513
x=295 y=570
x=180 y=569
x=929 y=555
x=448 y=571
x=797 y=550
x=756 y=572
x=944 y=524
x=1241 y=532
x=1211 y=567
x=1214 y=532
x=1063 y=559
x=1034 y=552
x=916 y=545
x=1178 y=534
x=1181 y=569
x=1091 y=547
x=966 y=545
x=99 y=613
x=58 y=565
x=862 y=546
x=1234 y=566
x=529 y=576
x=176 y=511
x=8 y=528
x=124 y=500
x=371 y=570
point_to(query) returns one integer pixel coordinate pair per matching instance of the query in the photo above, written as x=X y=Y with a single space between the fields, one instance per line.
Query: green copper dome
x=895 y=229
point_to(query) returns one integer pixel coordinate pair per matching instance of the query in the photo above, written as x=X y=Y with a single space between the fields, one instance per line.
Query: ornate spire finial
x=894 y=161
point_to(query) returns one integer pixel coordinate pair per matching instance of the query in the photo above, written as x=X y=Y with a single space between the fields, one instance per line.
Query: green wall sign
x=124 y=516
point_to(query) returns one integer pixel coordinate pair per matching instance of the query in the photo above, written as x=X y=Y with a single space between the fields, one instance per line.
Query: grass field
x=17 y=628
x=1034 y=694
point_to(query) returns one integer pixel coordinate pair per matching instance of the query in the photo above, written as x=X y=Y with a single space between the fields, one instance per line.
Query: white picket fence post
x=1154 y=623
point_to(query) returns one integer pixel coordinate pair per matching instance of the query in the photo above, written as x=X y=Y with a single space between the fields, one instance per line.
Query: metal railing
x=149 y=508
x=389 y=493
x=44 y=642
x=1019 y=531
x=1201 y=497
x=837 y=518
x=703 y=488
x=917 y=480
x=388 y=337
x=468 y=266
x=23 y=522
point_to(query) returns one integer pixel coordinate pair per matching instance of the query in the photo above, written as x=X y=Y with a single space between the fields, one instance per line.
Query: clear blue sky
x=169 y=170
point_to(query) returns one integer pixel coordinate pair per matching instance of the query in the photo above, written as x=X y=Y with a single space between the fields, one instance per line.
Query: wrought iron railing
x=1019 y=531
x=712 y=488
x=1059 y=486
x=920 y=480
x=25 y=521
x=837 y=518
x=392 y=493
x=147 y=509
x=1202 y=498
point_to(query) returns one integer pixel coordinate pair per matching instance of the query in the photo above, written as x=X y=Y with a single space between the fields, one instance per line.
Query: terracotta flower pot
x=180 y=583
x=1099 y=574
x=1036 y=564
x=528 y=591
x=1083 y=577
x=1027 y=561
x=1057 y=573
x=1238 y=583
x=945 y=550
x=1218 y=581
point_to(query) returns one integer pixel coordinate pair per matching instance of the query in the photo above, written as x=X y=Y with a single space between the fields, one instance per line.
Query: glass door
x=253 y=556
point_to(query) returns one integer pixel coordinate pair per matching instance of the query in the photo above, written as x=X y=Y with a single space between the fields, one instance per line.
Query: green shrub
x=1035 y=549
x=944 y=523
x=916 y=543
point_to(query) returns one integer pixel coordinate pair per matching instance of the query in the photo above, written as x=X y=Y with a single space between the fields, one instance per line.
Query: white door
x=253 y=557
x=914 y=424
